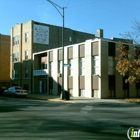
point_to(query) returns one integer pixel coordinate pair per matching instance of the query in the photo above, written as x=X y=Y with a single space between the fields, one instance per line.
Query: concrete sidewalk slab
x=56 y=98
x=42 y=96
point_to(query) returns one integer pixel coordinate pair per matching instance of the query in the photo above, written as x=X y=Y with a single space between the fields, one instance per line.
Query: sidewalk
x=43 y=96
x=56 y=98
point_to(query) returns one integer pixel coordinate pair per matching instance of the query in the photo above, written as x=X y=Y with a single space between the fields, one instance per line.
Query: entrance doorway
x=43 y=86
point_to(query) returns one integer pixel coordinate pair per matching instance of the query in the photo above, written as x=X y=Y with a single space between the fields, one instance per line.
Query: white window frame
x=70 y=61
x=95 y=65
x=26 y=55
x=82 y=66
x=16 y=57
x=16 y=40
x=15 y=74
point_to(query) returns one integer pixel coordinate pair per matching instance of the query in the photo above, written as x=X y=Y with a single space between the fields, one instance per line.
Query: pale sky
x=113 y=16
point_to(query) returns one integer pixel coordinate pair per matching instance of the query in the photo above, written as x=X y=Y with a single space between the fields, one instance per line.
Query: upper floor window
x=111 y=65
x=16 y=74
x=15 y=40
x=77 y=40
x=95 y=65
x=26 y=37
x=82 y=66
x=26 y=73
x=26 y=55
x=16 y=57
x=70 y=40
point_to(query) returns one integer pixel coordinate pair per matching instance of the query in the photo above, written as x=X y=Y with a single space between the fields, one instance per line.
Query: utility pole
x=62 y=95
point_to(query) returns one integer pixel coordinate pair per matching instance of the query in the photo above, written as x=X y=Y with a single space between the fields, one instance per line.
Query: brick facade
x=22 y=44
x=4 y=60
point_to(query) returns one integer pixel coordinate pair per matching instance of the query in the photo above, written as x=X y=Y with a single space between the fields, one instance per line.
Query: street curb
x=47 y=99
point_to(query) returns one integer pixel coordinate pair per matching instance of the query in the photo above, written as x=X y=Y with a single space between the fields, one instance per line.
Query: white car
x=15 y=91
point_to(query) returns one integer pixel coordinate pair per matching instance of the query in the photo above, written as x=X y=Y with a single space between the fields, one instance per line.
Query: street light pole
x=62 y=14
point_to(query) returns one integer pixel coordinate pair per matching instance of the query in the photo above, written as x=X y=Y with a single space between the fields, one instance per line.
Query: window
x=26 y=37
x=82 y=66
x=51 y=68
x=77 y=40
x=95 y=65
x=16 y=74
x=71 y=67
x=15 y=40
x=44 y=62
x=111 y=65
x=26 y=73
x=26 y=55
x=16 y=57
x=70 y=40
x=111 y=82
x=60 y=66
x=111 y=49
x=43 y=66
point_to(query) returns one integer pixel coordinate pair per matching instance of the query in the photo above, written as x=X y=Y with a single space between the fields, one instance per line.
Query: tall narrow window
x=111 y=65
x=26 y=73
x=26 y=55
x=16 y=74
x=44 y=62
x=71 y=67
x=95 y=65
x=16 y=57
x=70 y=40
x=111 y=49
x=82 y=66
x=26 y=37
x=15 y=40
x=60 y=66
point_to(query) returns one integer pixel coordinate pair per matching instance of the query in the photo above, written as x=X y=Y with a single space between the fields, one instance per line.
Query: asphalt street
x=26 y=119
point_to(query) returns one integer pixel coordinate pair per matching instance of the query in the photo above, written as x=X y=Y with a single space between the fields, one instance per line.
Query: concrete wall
x=55 y=41
x=76 y=70
x=88 y=69
x=104 y=69
x=89 y=85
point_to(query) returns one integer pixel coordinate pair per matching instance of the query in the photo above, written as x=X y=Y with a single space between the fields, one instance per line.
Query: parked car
x=2 y=89
x=15 y=91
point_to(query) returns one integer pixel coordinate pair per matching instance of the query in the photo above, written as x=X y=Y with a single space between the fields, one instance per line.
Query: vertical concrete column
x=76 y=70
x=99 y=91
x=88 y=67
x=48 y=67
x=65 y=69
x=104 y=68
x=55 y=71
x=119 y=86
x=33 y=74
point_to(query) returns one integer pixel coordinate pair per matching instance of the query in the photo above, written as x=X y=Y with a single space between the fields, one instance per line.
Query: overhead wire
x=82 y=4
x=68 y=3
